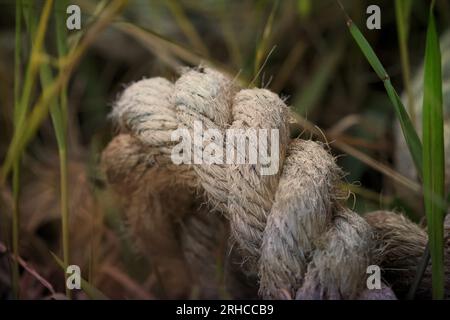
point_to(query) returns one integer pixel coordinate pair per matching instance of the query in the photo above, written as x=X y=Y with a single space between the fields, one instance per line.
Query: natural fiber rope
x=145 y=186
x=400 y=244
x=291 y=227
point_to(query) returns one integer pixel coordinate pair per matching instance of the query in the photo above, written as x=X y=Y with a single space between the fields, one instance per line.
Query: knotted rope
x=291 y=227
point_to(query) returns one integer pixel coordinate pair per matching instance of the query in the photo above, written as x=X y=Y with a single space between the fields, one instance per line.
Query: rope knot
x=291 y=226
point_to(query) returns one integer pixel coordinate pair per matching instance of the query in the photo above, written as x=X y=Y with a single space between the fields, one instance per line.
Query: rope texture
x=291 y=227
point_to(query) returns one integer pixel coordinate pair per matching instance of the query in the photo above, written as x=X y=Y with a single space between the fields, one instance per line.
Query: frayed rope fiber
x=291 y=228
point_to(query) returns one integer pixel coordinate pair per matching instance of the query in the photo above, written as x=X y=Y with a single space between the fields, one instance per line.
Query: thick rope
x=400 y=244
x=291 y=226
x=147 y=188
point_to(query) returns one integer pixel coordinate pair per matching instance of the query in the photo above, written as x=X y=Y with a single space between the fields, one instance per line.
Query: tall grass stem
x=16 y=167
x=433 y=155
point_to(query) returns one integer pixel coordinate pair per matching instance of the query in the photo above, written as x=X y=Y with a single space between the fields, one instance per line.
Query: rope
x=292 y=228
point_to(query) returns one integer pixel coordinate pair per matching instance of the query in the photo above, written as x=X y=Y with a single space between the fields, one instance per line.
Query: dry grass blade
x=291 y=61
x=265 y=40
x=27 y=130
x=186 y=26
x=127 y=282
x=28 y=268
x=156 y=42
x=384 y=169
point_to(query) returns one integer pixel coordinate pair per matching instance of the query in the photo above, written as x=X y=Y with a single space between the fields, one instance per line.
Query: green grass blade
x=60 y=122
x=16 y=166
x=367 y=51
x=433 y=155
x=402 y=13
x=322 y=76
x=304 y=8
x=91 y=291
x=33 y=64
x=187 y=27
x=17 y=56
x=45 y=75
x=26 y=131
x=410 y=134
x=58 y=116
x=63 y=49
x=92 y=17
x=264 y=43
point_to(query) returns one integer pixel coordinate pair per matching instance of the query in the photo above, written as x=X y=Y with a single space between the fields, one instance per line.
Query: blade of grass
x=410 y=134
x=433 y=154
x=289 y=64
x=368 y=194
x=421 y=268
x=16 y=229
x=315 y=88
x=186 y=26
x=264 y=43
x=361 y=156
x=16 y=166
x=33 y=65
x=33 y=272
x=95 y=9
x=229 y=34
x=91 y=291
x=17 y=56
x=20 y=110
x=59 y=117
x=62 y=46
x=25 y=132
x=304 y=8
x=151 y=40
x=402 y=12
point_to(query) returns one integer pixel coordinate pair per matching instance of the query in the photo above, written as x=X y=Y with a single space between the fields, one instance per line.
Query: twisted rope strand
x=291 y=227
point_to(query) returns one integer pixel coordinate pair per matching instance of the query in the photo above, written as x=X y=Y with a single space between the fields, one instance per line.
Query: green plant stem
x=40 y=109
x=91 y=291
x=412 y=139
x=58 y=115
x=20 y=110
x=16 y=165
x=16 y=230
x=433 y=155
x=187 y=27
x=410 y=134
x=33 y=66
x=64 y=211
x=402 y=11
x=60 y=123
x=264 y=43
x=429 y=157
x=420 y=271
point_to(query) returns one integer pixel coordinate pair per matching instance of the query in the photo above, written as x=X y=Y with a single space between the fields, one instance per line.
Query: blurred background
x=300 y=49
